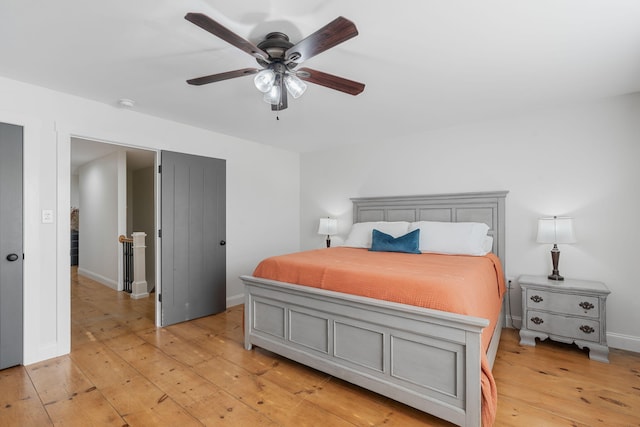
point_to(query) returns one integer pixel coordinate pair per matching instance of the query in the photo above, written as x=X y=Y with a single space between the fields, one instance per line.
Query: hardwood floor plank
x=101 y=365
x=164 y=413
x=230 y=351
x=517 y=413
x=283 y=407
x=122 y=370
x=106 y=328
x=264 y=396
x=19 y=401
x=231 y=327
x=133 y=395
x=58 y=379
x=123 y=342
x=189 y=331
x=365 y=408
x=295 y=378
x=174 y=346
x=226 y=375
x=88 y=408
x=149 y=360
x=223 y=409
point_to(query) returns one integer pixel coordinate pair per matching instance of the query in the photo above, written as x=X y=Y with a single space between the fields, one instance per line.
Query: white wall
x=142 y=208
x=98 y=239
x=579 y=161
x=263 y=196
x=75 y=190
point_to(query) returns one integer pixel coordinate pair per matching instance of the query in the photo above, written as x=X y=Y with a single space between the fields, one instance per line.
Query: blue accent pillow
x=409 y=243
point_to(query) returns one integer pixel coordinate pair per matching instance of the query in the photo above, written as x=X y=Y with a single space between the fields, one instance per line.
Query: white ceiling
x=426 y=63
x=84 y=151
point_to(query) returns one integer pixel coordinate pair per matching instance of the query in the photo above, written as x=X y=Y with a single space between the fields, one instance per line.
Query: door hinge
x=159 y=297
x=159 y=168
x=159 y=233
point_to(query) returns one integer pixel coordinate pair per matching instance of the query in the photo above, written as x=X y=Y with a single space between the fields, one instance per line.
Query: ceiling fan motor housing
x=276 y=45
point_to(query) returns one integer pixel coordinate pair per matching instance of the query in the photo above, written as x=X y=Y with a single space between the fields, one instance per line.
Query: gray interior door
x=11 y=327
x=193 y=227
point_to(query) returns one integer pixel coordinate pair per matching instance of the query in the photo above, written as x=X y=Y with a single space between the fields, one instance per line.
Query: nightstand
x=569 y=311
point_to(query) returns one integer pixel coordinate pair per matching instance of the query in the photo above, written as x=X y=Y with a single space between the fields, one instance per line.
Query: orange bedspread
x=468 y=285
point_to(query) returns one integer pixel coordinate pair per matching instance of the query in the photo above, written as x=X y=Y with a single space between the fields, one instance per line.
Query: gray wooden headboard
x=487 y=207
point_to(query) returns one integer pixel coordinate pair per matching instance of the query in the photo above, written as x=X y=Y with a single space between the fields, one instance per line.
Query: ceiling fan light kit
x=264 y=80
x=274 y=95
x=279 y=59
x=295 y=86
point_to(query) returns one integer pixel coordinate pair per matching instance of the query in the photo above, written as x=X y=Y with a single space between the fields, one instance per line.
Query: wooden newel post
x=139 y=285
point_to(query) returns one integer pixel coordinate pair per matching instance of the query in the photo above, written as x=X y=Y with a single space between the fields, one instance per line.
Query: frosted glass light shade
x=328 y=226
x=295 y=86
x=264 y=80
x=556 y=230
x=273 y=95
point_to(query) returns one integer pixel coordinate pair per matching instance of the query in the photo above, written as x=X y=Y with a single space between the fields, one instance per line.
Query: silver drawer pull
x=586 y=305
x=587 y=329
x=538 y=320
x=536 y=298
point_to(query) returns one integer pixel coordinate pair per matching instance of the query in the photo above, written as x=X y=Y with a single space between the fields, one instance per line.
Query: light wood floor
x=122 y=371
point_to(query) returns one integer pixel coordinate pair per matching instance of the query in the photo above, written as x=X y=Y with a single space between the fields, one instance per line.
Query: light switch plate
x=47 y=216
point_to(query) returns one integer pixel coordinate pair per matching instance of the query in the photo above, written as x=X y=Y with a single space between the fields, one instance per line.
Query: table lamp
x=328 y=227
x=555 y=230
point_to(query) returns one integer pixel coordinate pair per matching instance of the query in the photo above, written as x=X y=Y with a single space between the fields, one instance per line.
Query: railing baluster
x=127 y=264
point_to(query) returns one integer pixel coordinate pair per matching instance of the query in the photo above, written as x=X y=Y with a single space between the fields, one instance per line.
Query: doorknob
x=222 y=243
x=12 y=257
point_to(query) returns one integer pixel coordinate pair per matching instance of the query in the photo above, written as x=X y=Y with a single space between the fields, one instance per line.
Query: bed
x=429 y=359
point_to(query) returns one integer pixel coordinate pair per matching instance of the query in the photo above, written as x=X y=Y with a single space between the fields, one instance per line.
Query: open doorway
x=113 y=193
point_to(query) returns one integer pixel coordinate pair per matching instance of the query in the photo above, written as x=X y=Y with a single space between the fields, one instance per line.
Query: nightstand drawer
x=570 y=327
x=578 y=305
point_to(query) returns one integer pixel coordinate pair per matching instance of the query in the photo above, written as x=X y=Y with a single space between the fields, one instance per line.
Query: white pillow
x=360 y=234
x=487 y=244
x=455 y=238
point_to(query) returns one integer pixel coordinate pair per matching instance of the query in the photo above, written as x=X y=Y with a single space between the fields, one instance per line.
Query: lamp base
x=555 y=258
x=328 y=242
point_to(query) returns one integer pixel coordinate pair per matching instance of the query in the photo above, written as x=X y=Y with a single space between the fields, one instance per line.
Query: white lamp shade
x=328 y=226
x=556 y=230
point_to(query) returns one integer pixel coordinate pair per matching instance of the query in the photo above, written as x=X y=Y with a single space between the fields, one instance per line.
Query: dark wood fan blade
x=330 y=81
x=222 y=76
x=332 y=34
x=208 y=24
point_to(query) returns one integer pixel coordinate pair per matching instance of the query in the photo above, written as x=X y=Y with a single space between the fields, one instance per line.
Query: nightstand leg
x=597 y=352
x=529 y=338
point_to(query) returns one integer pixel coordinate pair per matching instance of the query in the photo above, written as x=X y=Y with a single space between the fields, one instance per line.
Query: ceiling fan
x=280 y=58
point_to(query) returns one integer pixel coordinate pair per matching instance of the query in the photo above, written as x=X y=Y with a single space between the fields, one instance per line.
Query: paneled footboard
x=425 y=358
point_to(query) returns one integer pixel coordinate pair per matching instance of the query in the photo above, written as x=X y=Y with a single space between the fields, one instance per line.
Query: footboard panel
x=424 y=358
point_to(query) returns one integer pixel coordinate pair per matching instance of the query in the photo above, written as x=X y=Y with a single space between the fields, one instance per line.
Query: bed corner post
x=247 y=318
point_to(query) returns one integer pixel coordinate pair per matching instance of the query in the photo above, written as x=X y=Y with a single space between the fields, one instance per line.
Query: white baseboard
x=513 y=323
x=235 y=300
x=113 y=284
x=623 y=342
